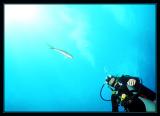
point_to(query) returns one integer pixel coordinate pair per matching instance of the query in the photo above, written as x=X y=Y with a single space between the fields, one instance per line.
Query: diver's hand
x=131 y=82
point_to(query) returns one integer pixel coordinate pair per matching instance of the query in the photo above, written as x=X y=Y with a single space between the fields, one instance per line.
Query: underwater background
x=103 y=39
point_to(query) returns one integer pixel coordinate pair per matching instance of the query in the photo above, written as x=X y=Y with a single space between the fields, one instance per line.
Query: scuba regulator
x=110 y=81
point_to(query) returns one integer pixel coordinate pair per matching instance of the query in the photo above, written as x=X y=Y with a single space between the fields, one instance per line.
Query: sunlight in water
x=21 y=13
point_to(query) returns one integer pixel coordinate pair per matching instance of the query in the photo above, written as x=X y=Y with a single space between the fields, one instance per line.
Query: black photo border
x=3 y=2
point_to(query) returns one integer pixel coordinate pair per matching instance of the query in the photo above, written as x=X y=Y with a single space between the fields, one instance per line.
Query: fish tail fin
x=51 y=47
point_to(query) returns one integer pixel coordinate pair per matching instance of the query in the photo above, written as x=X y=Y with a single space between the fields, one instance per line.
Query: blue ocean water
x=112 y=39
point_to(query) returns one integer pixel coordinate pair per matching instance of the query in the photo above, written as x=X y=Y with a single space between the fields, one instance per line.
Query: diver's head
x=111 y=80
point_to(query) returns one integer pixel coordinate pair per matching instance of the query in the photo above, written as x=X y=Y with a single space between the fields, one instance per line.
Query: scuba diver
x=130 y=93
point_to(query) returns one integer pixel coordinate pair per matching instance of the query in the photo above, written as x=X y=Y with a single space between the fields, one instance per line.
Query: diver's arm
x=127 y=79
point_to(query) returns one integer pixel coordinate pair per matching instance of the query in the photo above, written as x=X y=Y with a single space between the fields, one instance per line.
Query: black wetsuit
x=135 y=104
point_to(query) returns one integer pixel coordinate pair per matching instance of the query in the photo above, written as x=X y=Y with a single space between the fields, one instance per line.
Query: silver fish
x=66 y=54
